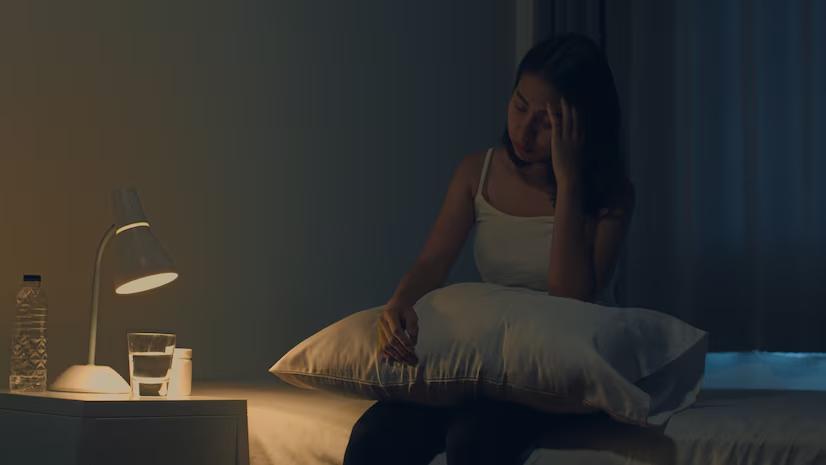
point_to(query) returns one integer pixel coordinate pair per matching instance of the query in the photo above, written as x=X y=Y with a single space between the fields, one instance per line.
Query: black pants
x=479 y=432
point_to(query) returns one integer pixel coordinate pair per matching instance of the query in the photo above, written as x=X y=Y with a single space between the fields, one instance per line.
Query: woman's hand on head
x=398 y=329
x=567 y=138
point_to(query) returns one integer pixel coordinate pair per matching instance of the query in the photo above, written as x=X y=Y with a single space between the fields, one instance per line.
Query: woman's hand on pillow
x=398 y=329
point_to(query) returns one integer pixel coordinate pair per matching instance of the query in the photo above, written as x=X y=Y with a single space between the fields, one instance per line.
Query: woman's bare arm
x=571 y=266
x=583 y=257
x=611 y=229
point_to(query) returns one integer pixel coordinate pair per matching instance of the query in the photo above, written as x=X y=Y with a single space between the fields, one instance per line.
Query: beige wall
x=291 y=156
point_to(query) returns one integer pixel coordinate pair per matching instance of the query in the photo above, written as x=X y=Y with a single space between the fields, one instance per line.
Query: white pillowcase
x=515 y=344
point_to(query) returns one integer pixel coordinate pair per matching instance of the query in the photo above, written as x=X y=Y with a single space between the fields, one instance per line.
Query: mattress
x=293 y=426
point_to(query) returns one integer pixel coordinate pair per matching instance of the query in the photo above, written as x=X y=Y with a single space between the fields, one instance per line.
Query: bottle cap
x=182 y=353
x=31 y=277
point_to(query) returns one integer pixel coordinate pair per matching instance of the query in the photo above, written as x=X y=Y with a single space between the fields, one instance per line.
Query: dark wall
x=291 y=156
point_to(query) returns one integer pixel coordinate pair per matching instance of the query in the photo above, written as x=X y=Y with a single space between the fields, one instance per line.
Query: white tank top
x=514 y=250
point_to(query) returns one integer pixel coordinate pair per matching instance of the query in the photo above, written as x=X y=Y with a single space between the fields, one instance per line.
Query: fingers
x=568 y=125
x=395 y=345
x=567 y=119
x=412 y=326
x=404 y=351
x=409 y=327
x=400 y=335
x=576 y=126
x=396 y=354
x=385 y=340
x=555 y=134
x=397 y=334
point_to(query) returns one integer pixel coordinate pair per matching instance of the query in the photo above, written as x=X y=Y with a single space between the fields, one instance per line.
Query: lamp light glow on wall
x=143 y=264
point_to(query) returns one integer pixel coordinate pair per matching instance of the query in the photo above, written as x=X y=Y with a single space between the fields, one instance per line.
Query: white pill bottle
x=180 y=380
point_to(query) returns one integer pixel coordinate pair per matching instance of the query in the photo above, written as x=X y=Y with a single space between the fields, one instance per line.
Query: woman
x=551 y=208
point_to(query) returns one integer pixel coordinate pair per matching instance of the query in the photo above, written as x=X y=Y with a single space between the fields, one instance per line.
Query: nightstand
x=58 y=428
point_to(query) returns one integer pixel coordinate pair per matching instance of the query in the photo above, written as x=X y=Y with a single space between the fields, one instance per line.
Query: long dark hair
x=577 y=68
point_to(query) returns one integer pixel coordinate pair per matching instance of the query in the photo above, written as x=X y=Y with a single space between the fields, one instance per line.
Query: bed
x=754 y=409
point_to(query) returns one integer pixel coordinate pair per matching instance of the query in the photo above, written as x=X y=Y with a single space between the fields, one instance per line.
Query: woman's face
x=528 y=125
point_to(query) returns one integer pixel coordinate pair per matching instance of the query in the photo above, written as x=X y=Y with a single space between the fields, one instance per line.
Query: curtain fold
x=559 y=16
x=723 y=104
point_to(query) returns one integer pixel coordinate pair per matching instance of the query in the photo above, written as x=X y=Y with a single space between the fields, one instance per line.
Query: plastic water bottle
x=28 y=347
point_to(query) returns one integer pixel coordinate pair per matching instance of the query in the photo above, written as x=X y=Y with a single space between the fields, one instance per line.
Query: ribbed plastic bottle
x=28 y=346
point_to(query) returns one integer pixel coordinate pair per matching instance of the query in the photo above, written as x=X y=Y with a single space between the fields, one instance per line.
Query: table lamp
x=143 y=265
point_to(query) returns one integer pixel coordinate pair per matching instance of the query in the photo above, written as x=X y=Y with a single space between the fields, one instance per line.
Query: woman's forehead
x=537 y=91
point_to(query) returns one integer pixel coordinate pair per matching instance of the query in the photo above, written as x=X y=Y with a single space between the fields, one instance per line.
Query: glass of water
x=150 y=361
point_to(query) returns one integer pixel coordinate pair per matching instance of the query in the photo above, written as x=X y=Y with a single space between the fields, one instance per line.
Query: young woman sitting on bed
x=551 y=208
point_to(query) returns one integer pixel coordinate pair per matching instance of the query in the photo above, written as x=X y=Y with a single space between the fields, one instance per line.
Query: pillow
x=514 y=344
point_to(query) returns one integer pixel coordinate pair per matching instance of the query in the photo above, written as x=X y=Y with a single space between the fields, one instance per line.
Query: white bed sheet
x=288 y=425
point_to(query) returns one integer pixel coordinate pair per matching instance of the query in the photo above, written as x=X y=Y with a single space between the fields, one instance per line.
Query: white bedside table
x=58 y=428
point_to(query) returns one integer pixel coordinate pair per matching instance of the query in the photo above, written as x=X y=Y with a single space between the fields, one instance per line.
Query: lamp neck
x=93 y=325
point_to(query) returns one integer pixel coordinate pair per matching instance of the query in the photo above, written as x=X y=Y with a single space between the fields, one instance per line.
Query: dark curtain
x=558 y=16
x=724 y=105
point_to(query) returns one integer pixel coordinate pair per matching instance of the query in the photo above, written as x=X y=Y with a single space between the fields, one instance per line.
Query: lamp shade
x=143 y=263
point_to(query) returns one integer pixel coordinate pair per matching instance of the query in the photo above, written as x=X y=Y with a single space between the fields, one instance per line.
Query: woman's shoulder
x=470 y=169
x=473 y=160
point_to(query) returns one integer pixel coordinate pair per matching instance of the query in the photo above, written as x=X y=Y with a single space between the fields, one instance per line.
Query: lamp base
x=93 y=379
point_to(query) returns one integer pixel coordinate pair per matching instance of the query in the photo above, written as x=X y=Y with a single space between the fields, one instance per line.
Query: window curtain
x=559 y=16
x=724 y=108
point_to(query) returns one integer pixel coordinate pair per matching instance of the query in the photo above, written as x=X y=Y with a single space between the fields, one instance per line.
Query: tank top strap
x=484 y=175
